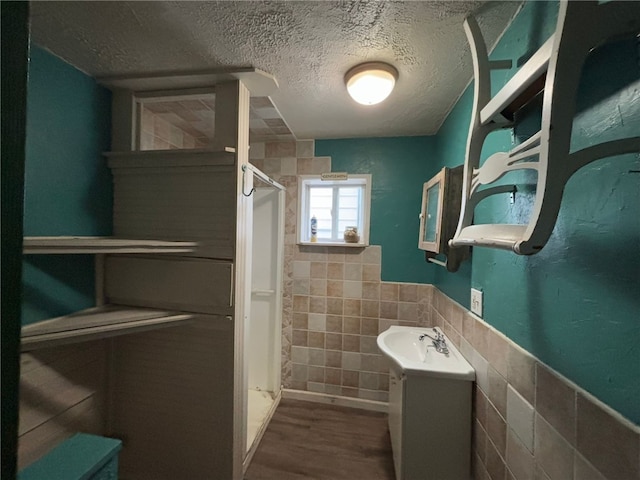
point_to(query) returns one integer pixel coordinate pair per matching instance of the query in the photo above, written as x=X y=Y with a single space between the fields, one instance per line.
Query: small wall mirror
x=431 y=214
x=441 y=198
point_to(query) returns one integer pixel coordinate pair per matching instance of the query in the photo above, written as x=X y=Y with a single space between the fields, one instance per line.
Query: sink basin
x=411 y=356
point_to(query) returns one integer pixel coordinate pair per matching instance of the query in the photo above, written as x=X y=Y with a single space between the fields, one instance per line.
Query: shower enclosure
x=262 y=352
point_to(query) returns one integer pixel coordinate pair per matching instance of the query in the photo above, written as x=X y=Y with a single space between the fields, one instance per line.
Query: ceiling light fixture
x=370 y=83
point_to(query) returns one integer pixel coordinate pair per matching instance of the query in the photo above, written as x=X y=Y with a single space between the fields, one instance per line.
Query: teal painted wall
x=529 y=30
x=399 y=166
x=450 y=146
x=576 y=304
x=68 y=187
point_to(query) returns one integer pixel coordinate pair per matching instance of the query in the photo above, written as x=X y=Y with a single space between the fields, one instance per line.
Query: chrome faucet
x=439 y=342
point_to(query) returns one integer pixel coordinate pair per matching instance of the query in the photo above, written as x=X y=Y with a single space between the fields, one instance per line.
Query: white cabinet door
x=396 y=386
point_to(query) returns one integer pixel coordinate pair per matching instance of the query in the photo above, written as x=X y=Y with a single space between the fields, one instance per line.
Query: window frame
x=303 y=217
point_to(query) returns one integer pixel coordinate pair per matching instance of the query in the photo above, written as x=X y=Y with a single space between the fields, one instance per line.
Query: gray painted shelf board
x=97 y=322
x=89 y=245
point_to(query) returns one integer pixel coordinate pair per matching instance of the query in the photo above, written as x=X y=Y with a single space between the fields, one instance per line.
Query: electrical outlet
x=476 y=302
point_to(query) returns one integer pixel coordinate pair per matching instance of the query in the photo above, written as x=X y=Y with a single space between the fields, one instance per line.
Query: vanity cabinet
x=439 y=214
x=430 y=426
x=396 y=386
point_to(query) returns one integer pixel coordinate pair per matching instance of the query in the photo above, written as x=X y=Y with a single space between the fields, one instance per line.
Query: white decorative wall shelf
x=555 y=68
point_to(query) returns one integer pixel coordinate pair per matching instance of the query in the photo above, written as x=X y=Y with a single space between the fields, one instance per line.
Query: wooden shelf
x=523 y=86
x=98 y=322
x=89 y=245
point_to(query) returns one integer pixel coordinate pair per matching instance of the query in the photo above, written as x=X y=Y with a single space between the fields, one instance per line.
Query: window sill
x=334 y=244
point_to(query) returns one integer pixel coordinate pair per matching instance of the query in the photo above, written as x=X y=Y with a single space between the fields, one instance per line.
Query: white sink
x=412 y=356
x=430 y=398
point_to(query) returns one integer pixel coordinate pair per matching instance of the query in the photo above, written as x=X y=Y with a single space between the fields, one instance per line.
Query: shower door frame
x=277 y=339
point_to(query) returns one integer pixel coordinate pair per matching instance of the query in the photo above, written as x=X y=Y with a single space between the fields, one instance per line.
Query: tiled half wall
x=339 y=307
x=530 y=423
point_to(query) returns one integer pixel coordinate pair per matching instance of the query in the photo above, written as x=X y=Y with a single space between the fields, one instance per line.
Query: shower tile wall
x=529 y=421
x=334 y=303
x=339 y=307
x=176 y=125
x=189 y=123
x=265 y=122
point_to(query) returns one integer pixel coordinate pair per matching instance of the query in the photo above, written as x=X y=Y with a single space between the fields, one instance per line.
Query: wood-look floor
x=307 y=440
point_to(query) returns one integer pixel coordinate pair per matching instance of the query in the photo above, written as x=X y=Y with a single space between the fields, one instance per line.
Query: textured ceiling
x=308 y=46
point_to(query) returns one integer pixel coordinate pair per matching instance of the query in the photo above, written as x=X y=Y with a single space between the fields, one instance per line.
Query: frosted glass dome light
x=370 y=83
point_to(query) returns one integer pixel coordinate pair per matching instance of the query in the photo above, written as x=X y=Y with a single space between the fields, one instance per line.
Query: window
x=336 y=205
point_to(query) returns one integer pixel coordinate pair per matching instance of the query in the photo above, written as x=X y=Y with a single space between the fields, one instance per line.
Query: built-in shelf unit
x=179 y=258
x=554 y=70
x=104 y=320
x=97 y=245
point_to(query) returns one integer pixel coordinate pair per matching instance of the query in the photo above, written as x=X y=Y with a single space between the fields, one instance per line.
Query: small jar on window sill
x=351 y=235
